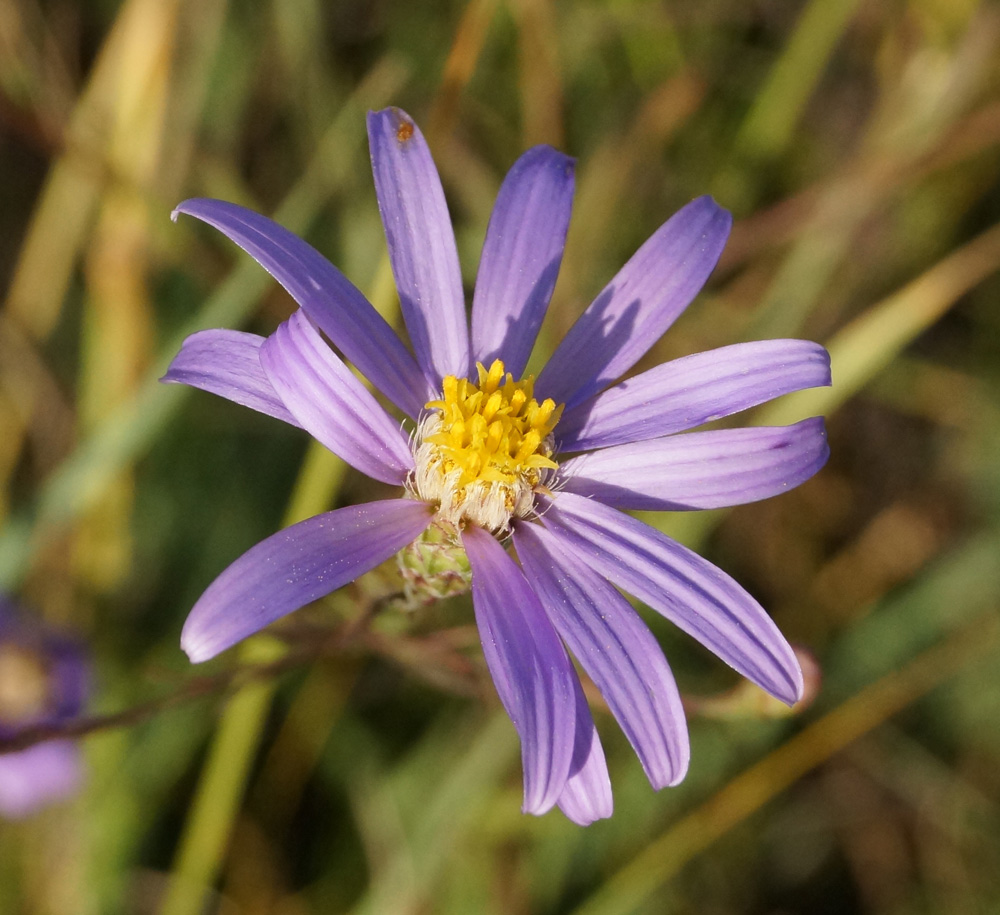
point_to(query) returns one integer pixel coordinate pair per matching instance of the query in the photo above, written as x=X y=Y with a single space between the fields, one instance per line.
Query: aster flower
x=481 y=456
x=43 y=681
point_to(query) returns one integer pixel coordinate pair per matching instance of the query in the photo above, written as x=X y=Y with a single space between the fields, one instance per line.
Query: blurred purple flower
x=43 y=681
x=480 y=464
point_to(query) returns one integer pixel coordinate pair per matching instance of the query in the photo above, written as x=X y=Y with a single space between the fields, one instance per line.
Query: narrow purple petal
x=227 y=363
x=688 y=590
x=295 y=566
x=698 y=470
x=326 y=295
x=329 y=401
x=40 y=775
x=421 y=244
x=529 y=666
x=587 y=795
x=638 y=305
x=69 y=673
x=616 y=649
x=687 y=392
x=521 y=257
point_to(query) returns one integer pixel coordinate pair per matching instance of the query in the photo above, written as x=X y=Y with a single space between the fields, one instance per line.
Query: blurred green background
x=368 y=768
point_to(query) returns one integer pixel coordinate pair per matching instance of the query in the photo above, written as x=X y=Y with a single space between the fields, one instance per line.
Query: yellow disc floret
x=24 y=685
x=484 y=447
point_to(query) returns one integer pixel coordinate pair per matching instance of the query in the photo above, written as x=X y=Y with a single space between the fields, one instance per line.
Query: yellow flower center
x=24 y=685
x=484 y=447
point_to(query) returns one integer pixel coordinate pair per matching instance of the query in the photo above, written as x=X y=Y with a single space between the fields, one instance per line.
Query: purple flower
x=481 y=465
x=43 y=681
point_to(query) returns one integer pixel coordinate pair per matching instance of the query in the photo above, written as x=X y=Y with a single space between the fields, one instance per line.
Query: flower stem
x=224 y=777
x=221 y=787
x=223 y=782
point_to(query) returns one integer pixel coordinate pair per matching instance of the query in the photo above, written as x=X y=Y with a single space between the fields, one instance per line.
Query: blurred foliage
x=858 y=145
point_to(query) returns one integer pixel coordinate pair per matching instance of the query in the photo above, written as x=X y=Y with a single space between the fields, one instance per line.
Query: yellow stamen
x=485 y=446
x=24 y=685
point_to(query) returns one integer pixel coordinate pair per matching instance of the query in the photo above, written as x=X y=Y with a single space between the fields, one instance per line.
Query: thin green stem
x=223 y=782
x=224 y=779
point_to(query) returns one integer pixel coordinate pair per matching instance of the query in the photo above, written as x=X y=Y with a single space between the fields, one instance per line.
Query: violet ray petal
x=40 y=775
x=69 y=673
x=521 y=256
x=421 y=244
x=331 y=404
x=687 y=392
x=295 y=566
x=587 y=795
x=692 y=593
x=326 y=295
x=529 y=666
x=616 y=649
x=698 y=470
x=638 y=305
x=227 y=363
